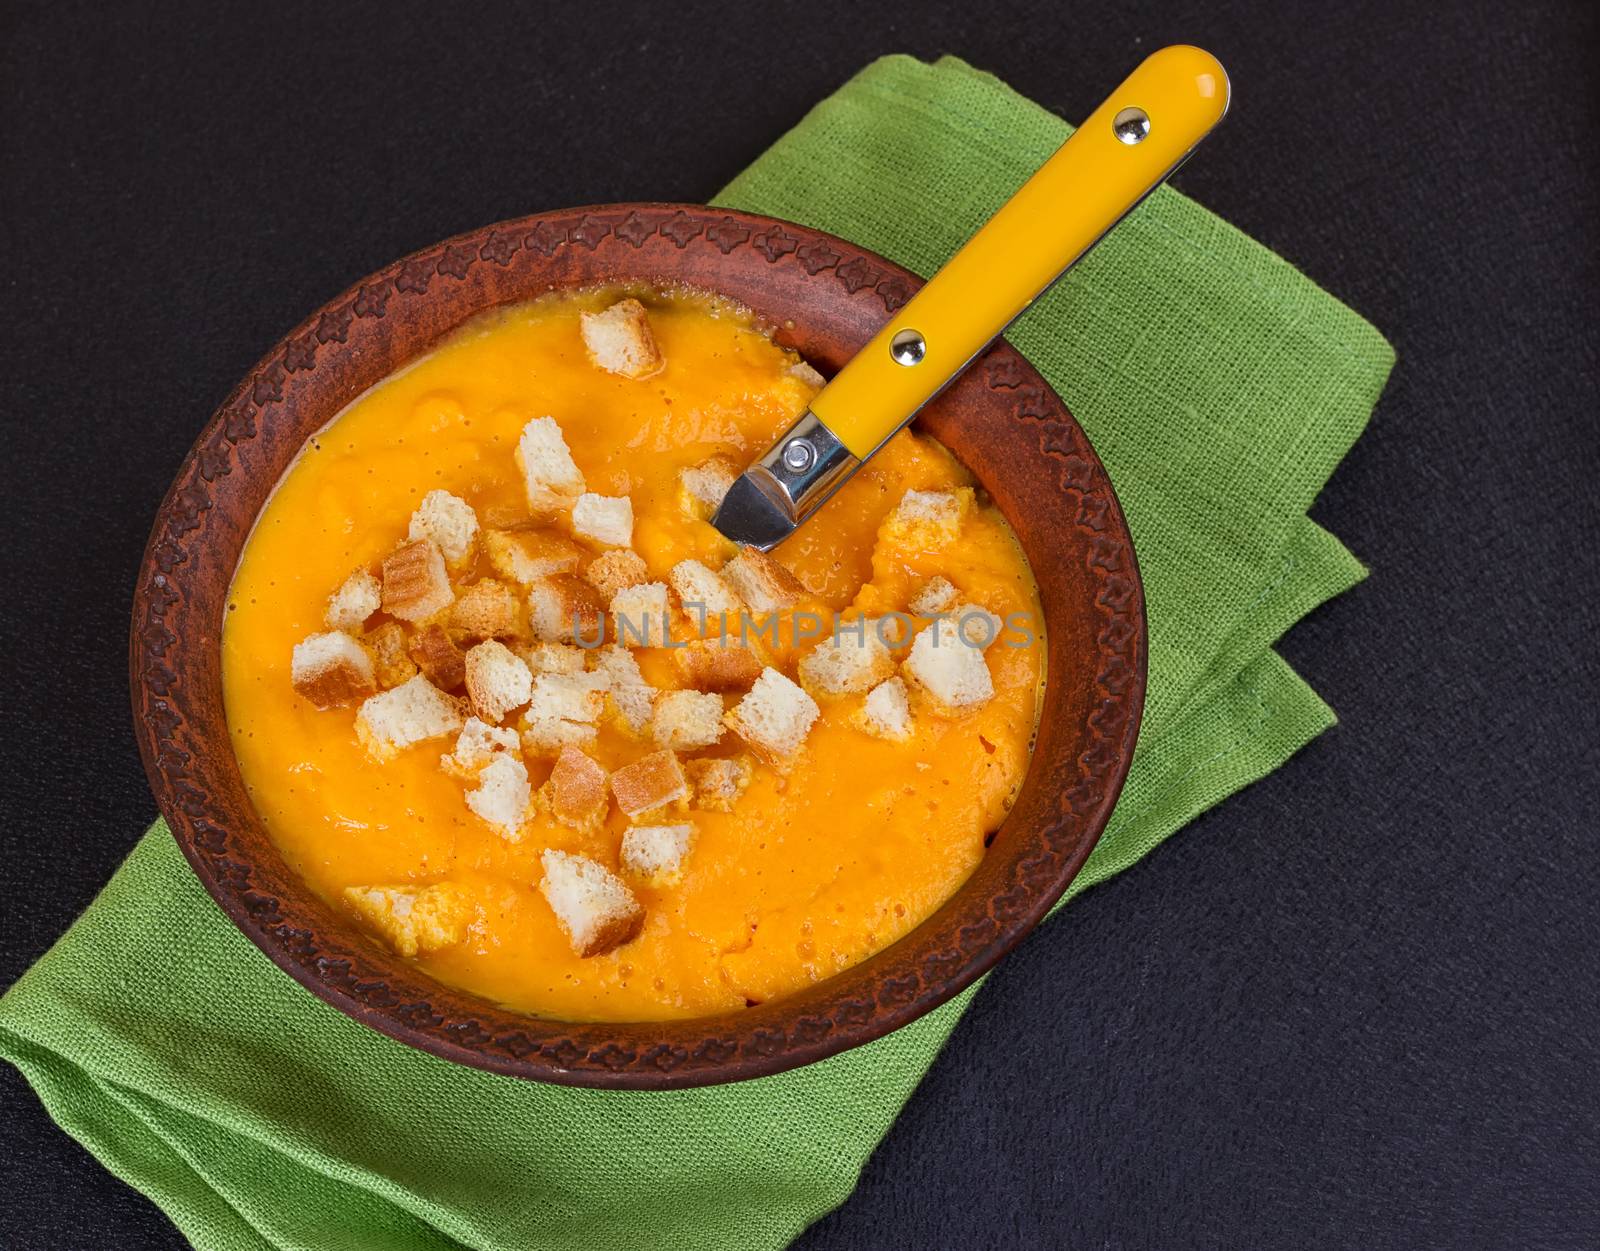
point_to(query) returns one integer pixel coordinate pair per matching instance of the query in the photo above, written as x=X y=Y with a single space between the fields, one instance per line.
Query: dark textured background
x=1354 y=1007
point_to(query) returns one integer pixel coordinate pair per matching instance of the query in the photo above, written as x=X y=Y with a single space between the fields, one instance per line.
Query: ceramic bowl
x=827 y=297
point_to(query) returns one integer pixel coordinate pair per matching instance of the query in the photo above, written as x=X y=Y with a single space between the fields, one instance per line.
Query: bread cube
x=720 y=664
x=331 y=669
x=415 y=920
x=710 y=602
x=525 y=556
x=656 y=853
x=620 y=340
x=544 y=737
x=478 y=743
x=503 y=795
x=391 y=662
x=650 y=784
x=437 y=655
x=937 y=595
x=357 y=598
x=449 y=521
x=549 y=473
x=640 y=615
x=497 y=681
x=606 y=519
x=577 y=791
x=553 y=658
x=853 y=659
x=774 y=718
x=615 y=571
x=762 y=583
x=630 y=697
x=411 y=713
x=485 y=610
x=686 y=720
x=594 y=908
x=569 y=696
x=415 y=582
x=702 y=487
x=927 y=519
x=976 y=625
x=954 y=675
x=563 y=608
x=499 y=515
x=803 y=373
x=886 y=711
x=718 y=783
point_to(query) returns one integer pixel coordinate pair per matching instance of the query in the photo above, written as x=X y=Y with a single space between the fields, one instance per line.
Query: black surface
x=1353 y=1007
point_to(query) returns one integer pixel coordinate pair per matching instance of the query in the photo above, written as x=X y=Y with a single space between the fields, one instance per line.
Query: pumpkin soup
x=502 y=693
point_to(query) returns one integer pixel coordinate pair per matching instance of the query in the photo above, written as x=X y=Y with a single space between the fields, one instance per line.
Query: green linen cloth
x=1220 y=386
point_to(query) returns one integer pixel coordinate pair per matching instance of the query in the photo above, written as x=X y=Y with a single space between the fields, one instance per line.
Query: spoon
x=1126 y=148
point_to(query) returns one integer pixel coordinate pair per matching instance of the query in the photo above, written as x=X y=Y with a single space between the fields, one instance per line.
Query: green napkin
x=1220 y=386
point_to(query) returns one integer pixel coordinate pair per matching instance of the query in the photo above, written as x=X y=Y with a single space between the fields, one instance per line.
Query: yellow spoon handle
x=1125 y=148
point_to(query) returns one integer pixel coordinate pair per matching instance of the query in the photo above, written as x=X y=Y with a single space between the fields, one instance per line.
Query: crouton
x=886 y=712
x=853 y=659
x=615 y=571
x=719 y=783
x=449 y=521
x=563 y=710
x=478 y=743
x=552 y=658
x=546 y=736
x=705 y=596
x=440 y=660
x=577 y=791
x=563 y=608
x=502 y=795
x=722 y=664
x=952 y=673
x=504 y=516
x=802 y=372
x=606 y=519
x=774 y=718
x=355 y=600
x=701 y=487
x=762 y=583
x=640 y=614
x=569 y=696
x=331 y=669
x=650 y=784
x=620 y=341
x=485 y=610
x=549 y=474
x=594 y=908
x=390 y=661
x=497 y=681
x=415 y=921
x=415 y=583
x=927 y=519
x=978 y=627
x=686 y=720
x=525 y=556
x=935 y=596
x=630 y=698
x=656 y=852
x=412 y=712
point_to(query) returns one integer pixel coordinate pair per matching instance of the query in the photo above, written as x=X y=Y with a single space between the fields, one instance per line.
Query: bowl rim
x=179 y=602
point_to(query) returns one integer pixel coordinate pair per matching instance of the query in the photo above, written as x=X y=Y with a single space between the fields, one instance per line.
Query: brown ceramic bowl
x=828 y=297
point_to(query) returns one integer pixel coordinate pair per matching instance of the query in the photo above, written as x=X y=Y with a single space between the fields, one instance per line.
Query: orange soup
x=813 y=846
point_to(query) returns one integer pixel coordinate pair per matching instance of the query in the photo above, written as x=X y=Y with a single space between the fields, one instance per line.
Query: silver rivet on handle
x=1132 y=125
x=908 y=347
x=798 y=455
